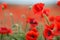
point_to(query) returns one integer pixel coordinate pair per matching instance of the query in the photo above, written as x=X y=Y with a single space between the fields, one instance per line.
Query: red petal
x=58 y=3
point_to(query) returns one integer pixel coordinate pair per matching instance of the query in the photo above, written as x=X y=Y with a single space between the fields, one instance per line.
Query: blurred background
x=21 y=9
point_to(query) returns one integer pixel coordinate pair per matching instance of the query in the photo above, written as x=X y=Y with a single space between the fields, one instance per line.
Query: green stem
x=0 y=22
x=41 y=32
x=1 y=37
x=46 y=18
x=4 y=19
x=26 y=27
x=58 y=38
x=12 y=20
x=45 y=38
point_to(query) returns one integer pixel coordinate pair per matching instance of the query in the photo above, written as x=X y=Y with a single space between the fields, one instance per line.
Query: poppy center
x=35 y=22
x=31 y=22
x=32 y=36
x=51 y=28
x=49 y=33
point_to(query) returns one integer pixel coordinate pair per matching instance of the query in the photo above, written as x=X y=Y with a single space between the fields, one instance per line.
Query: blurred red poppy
x=31 y=35
x=48 y=34
x=51 y=18
x=4 y=5
x=51 y=26
x=38 y=7
x=57 y=19
x=32 y=22
x=46 y=11
x=57 y=22
x=58 y=3
x=34 y=29
x=0 y=8
x=4 y=30
x=57 y=31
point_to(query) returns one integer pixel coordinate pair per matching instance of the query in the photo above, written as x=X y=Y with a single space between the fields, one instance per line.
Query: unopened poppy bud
x=16 y=24
x=11 y=14
x=30 y=7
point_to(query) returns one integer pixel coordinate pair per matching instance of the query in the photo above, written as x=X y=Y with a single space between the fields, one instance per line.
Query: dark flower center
x=35 y=22
x=49 y=33
x=51 y=28
x=32 y=36
x=31 y=22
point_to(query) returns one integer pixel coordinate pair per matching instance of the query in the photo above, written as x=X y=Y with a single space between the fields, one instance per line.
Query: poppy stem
x=5 y=19
x=12 y=20
x=46 y=18
x=26 y=27
x=1 y=37
x=45 y=39
x=1 y=22
x=58 y=38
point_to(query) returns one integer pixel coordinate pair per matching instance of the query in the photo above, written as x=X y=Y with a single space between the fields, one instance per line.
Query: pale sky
x=29 y=1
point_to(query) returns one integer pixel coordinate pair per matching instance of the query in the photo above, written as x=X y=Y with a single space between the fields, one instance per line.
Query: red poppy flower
x=4 y=30
x=46 y=11
x=50 y=26
x=48 y=34
x=48 y=39
x=57 y=31
x=58 y=3
x=34 y=29
x=4 y=5
x=38 y=7
x=57 y=19
x=31 y=35
x=51 y=18
x=32 y=22
x=0 y=8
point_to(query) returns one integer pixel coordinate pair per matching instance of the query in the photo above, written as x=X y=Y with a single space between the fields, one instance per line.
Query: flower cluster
x=51 y=29
x=4 y=30
x=40 y=10
x=48 y=30
x=32 y=34
x=58 y=3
